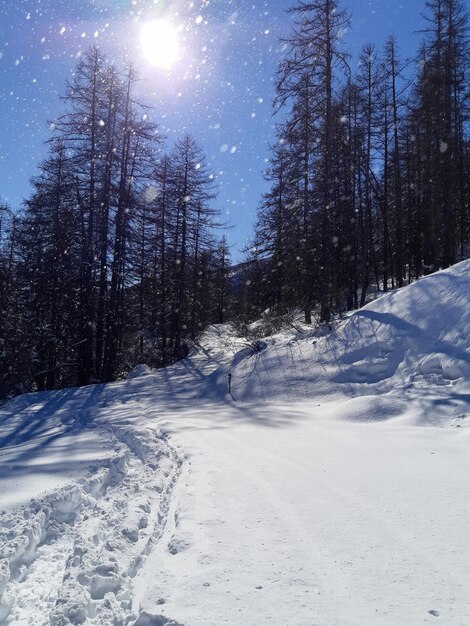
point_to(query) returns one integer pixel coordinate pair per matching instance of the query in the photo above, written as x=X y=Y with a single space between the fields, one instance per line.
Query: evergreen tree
x=314 y=63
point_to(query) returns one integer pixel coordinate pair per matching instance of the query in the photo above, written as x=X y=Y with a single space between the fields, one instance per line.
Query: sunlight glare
x=159 y=43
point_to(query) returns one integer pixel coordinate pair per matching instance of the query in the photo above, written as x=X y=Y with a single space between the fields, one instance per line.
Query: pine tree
x=7 y=301
x=442 y=104
x=48 y=253
x=306 y=81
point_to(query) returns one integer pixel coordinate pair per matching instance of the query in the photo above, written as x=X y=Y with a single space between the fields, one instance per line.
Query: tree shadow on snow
x=44 y=434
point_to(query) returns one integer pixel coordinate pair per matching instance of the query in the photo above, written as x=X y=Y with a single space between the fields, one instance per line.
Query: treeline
x=113 y=261
x=370 y=173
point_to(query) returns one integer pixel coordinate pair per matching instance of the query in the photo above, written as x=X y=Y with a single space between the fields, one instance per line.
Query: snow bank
x=404 y=343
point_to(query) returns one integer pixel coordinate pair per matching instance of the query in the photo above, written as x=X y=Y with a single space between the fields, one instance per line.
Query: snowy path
x=108 y=472
x=286 y=518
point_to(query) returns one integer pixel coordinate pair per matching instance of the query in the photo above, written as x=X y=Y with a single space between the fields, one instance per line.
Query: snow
x=304 y=522
x=413 y=342
x=331 y=489
x=139 y=370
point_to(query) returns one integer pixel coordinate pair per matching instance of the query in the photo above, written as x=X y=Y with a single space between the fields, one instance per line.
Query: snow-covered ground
x=332 y=488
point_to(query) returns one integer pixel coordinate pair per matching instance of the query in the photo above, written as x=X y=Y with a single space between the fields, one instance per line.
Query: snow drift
x=403 y=344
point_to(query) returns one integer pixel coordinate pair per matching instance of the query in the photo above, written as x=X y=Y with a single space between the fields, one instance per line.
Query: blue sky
x=220 y=91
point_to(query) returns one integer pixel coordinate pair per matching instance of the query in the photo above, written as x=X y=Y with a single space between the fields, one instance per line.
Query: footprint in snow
x=434 y=613
x=177 y=545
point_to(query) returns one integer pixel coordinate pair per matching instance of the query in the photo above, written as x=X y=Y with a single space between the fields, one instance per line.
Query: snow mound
x=369 y=409
x=407 y=342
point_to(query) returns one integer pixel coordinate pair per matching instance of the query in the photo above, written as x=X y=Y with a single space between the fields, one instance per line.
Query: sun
x=159 y=42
